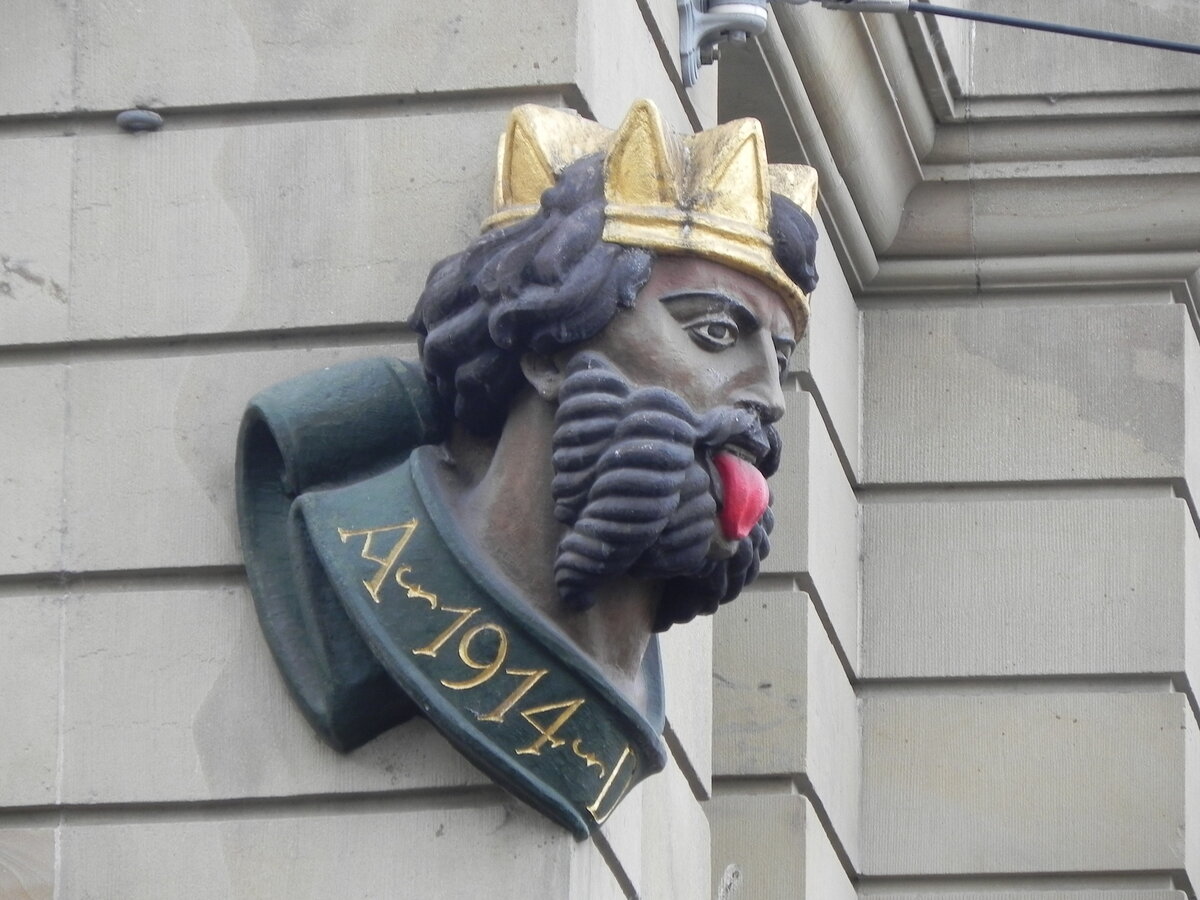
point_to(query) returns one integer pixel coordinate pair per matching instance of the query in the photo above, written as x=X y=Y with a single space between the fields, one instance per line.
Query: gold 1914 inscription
x=547 y=719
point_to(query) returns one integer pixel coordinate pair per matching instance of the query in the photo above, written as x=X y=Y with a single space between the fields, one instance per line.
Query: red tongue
x=746 y=495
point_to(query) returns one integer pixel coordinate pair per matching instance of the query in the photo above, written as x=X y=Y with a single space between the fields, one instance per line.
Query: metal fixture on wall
x=705 y=24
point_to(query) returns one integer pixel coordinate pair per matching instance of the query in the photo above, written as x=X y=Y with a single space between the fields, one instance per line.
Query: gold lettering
x=387 y=562
x=568 y=708
x=588 y=758
x=435 y=645
x=487 y=670
x=594 y=809
x=531 y=676
x=414 y=591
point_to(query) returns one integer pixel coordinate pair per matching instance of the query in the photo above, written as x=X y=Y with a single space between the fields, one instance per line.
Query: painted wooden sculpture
x=492 y=537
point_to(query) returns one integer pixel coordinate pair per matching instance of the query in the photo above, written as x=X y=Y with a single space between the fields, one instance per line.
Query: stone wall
x=966 y=671
x=997 y=696
x=315 y=160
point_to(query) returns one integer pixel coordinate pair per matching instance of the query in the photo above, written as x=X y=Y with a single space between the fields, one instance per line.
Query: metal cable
x=899 y=6
x=1072 y=30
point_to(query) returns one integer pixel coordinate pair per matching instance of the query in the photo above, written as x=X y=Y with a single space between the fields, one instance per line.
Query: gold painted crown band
x=720 y=240
x=707 y=194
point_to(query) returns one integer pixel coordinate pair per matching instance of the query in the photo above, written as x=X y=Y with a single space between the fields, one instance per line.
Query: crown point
x=730 y=168
x=529 y=171
x=639 y=170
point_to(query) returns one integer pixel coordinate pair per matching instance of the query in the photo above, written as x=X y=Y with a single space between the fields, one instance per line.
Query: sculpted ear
x=544 y=373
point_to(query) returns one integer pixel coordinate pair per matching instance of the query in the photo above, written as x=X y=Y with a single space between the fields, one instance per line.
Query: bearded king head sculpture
x=491 y=538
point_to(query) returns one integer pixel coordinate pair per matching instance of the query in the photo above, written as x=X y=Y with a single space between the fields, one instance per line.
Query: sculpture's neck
x=500 y=491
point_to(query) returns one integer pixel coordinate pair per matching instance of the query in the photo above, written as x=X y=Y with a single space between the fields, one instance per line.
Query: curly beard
x=634 y=486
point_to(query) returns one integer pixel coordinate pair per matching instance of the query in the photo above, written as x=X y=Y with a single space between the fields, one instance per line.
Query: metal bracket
x=704 y=24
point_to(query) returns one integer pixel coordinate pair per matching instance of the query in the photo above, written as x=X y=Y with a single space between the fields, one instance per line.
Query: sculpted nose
x=769 y=410
x=761 y=389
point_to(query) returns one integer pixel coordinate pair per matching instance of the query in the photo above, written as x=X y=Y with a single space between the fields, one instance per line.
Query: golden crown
x=707 y=194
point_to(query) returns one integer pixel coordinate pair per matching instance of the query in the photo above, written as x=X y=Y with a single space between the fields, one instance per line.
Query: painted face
x=660 y=440
x=713 y=335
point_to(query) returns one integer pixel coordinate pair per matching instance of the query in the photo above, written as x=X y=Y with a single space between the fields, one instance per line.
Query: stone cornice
x=925 y=189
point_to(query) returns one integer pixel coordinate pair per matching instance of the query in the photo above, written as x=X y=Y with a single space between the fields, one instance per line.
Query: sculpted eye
x=714 y=334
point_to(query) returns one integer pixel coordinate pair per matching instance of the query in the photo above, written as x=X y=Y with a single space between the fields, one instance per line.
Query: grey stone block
x=320 y=223
x=29 y=672
x=36 y=58
x=211 y=720
x=169 y=57
x=172 y=695
x=832 y=352
x=1029 y=587
x=35 y=229
x=675 y=839
x=27 y=863
x=1024 y=783
x=179 y=55
x=782 y=704
x=687 y=663
x=149 y=457
x=622 y=831
x=1026 y=393
x=974 y=217
x=761 y=687
x=31 y=480
x=816 y=531
x=1191 y=380
x=408 y=851
x=780 y=850
x=1009 y=62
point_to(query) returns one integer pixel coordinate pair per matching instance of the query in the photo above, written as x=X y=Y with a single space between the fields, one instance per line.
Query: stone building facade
x=966 y=672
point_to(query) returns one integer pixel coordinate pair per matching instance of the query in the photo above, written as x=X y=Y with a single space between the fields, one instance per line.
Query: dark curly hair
x=543 y=284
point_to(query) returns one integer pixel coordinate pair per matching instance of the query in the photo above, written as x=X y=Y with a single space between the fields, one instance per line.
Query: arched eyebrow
x=685 y=305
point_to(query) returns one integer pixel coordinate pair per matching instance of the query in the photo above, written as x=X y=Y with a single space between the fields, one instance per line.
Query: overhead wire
x=916 y=6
